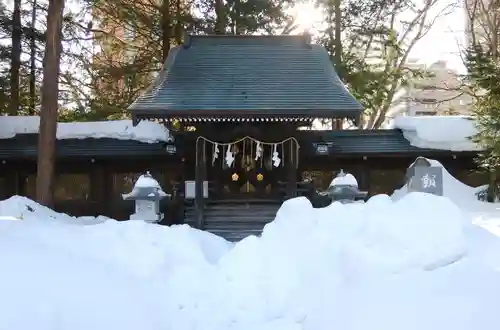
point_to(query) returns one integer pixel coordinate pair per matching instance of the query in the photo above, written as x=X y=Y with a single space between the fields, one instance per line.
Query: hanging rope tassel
x=258 y=151
x=215 y=154
x=276 y=159
x=229 y=157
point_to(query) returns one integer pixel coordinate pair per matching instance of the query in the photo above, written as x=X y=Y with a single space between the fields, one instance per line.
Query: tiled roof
x=248 y=75
x=370 y=142
x=349 y=143
x=24 y=146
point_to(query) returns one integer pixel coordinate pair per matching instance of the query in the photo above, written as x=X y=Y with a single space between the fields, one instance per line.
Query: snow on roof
x=145 y=131
x=438 y=132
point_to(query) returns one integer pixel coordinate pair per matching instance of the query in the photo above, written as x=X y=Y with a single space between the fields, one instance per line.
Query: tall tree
x=338 y=33
x=166 y=28
x=14 y=72
x=50 y=94
x=484 y=73
x=483 y=64
x=15 y=64
x=33 y=51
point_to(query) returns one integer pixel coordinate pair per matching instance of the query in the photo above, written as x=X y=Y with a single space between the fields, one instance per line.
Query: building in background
x=439 y=94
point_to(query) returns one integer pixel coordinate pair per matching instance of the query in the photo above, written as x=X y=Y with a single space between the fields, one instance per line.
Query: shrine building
x=238 y=111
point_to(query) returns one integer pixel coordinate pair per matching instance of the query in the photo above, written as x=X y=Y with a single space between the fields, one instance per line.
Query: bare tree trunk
x=33 y=61
x=178 y=23
x=492 y=191
x=338 y=36
x=48 y=115
x=166 y=28
x=220 y=21
x=15 y=59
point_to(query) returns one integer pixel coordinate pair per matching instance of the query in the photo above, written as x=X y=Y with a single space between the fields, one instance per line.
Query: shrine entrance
x=248 y=168
x=248 y=176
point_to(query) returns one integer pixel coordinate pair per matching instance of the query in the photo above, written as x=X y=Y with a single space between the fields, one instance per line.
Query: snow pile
x=438 y=132
x=145 y=131
x=92 y=277
x=379 y=265
x=454 y=189
x=133 y=247
x=23 y=208
x=392 y=265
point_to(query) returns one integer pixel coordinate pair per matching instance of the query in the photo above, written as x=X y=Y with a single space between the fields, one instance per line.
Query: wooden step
x=233 y=215
x=256 y=213
x=235 y=219
x=238 y=219
x=234 y=226
x=244 y=201
x=235 y=236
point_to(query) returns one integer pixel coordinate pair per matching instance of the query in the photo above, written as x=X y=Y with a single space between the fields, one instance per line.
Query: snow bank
x=379 y=265
x=145 y=131
x=72 y=277
x=438 y=132
x=23 y=208
x=384 y=264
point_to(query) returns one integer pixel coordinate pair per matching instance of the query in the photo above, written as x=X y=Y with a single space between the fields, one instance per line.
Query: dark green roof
x=247 y=75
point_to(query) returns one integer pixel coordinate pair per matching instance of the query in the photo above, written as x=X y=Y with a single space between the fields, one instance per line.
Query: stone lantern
x=344 y=188
x=147 y=195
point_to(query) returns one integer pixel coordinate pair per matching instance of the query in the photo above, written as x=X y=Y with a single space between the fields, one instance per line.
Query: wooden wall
x=85 y=187
x=90 y=188
x=385 y=174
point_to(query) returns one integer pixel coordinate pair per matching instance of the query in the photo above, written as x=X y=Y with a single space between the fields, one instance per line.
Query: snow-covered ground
x=410 y=262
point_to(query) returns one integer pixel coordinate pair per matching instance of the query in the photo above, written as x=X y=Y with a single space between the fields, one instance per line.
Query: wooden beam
x=199 y=178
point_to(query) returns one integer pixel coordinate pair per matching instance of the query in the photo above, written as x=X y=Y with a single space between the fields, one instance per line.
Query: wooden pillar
x=363 y=175
x=368 y=180
x=179 y=217
x=199 y=178
x=101 y=189
x=14 y=183
x=291 y=163
x=182 y=179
